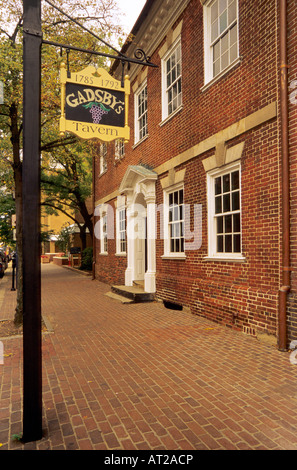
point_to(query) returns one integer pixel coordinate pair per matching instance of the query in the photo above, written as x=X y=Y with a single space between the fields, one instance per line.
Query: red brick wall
x=239 y=295
x=245 y=89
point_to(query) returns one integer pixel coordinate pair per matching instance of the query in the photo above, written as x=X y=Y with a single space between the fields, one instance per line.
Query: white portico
x=138 y=185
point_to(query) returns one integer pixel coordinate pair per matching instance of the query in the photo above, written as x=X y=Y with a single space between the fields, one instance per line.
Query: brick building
x=193 y=204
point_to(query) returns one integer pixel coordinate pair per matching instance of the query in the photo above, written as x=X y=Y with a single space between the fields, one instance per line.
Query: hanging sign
x=94 y=105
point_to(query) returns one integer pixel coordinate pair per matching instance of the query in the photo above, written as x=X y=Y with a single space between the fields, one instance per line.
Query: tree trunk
x=83 y=237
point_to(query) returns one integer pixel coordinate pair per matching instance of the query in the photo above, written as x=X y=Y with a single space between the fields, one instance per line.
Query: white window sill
x=121 y=254
x=103 y=254
x=140 y=141
x=178 y=110
x=237 y=259
x=221 y=74
x=180 y=256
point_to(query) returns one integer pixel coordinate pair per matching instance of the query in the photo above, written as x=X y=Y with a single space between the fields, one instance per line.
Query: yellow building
x=53 y=224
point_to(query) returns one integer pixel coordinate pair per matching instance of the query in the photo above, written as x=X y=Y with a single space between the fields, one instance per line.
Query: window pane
x=235 y=180
x=182 y=229
x=224 y=43
x=173 y=75
x=235 y=201
x=226 y=203
x=233 y=35
x=175 y=213
x=214 y=30
x=172 y=231
x=214 y=11
x=228 y=224
x=216 y=51
x=223 y=22
x=228 y=243
x=181 y=212
x=182 y=245
x=226 y=183
x=220 y=224
x=233 y=53
x=232 y=11
x=225 y=60
x=220 y=243
x=222 y=6
x=216 y=67
x=236 y=244
x=172 y=248
x=236 y=223
x=181 y=196
x=218 y=186
x=218 y=205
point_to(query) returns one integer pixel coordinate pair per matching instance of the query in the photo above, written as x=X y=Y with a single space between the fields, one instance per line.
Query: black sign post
x=32 y=366
x=32 y=355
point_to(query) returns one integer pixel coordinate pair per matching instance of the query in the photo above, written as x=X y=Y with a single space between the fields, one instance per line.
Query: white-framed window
x=221 y=44
x=174 y=223
x=103 y=158
x=121 y=231
x=172 y=80
x=141 y=126
x=119 y=149
x=224 y=212
x=104 y=235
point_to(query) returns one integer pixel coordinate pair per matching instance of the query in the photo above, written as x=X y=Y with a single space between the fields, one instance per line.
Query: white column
x=150 y=275
x=129 y=273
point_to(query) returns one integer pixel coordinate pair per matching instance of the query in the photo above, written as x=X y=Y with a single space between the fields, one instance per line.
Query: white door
x=139 y=247
x=140 y=237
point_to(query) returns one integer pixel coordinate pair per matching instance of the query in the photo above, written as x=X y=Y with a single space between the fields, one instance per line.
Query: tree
x=66 y=185
x=7 y=210
x=100 y=17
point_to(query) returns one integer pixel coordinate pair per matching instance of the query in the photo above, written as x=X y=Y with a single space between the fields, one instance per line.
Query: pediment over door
x=138 y=179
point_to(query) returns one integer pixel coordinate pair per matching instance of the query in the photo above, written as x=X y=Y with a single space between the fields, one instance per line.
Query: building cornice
x=150 y=30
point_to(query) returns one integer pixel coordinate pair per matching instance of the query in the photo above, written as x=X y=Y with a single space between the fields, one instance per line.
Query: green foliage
x=87 y=259
x=64 y=238
x=7 y=209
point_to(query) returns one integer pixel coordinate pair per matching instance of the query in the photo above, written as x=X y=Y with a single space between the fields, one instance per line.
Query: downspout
x=285 y=273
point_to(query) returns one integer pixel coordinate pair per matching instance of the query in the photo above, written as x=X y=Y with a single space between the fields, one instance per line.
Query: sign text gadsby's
x=94 y=105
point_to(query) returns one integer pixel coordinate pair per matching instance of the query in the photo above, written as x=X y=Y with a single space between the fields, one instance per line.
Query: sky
x=131 y=9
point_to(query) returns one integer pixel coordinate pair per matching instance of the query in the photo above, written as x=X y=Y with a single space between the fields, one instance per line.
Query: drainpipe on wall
x=285 y=287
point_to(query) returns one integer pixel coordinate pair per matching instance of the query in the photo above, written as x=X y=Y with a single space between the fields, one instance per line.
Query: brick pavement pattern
x=142 y=377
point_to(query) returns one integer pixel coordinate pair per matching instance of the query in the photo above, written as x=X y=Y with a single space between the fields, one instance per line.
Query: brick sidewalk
x=140 y=376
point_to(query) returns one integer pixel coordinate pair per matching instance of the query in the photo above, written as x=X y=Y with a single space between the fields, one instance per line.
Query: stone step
x=136 y=294
x=120 y=298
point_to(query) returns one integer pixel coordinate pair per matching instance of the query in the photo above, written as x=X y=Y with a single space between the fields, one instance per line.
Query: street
x=143 y=377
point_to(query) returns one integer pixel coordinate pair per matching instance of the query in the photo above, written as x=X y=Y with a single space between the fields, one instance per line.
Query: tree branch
x=58 y=143
x=61 y=210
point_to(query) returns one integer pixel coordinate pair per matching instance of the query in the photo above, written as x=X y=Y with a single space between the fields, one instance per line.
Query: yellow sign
x=94 y=105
